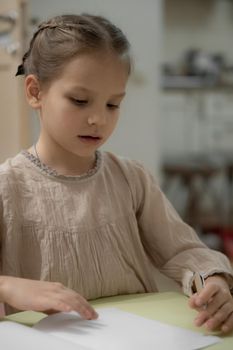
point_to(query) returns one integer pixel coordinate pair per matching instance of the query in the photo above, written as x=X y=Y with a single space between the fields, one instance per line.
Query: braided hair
x=58 y=40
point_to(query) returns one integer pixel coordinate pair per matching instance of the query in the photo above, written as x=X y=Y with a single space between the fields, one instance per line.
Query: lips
x=94 y=137
x=91 y=139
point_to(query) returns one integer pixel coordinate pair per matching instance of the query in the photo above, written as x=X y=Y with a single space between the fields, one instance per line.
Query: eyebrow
x=122 y=94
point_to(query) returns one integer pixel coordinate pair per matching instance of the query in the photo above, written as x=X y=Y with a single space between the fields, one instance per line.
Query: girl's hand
x=25 y=294
x=214 y=305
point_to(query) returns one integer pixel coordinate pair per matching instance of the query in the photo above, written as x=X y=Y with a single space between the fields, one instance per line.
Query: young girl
x=78 y=224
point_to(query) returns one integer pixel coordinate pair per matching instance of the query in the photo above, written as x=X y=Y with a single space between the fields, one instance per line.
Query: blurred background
x=178 y=114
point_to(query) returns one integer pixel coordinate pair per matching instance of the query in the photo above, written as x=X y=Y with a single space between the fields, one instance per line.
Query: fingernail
x=199 y=302
x=94 y=315
x=88 y=315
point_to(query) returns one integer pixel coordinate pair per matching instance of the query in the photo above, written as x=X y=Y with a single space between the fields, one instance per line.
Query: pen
x=199 y=283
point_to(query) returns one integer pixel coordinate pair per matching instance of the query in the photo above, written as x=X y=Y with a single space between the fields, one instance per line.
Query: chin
x=87 y=154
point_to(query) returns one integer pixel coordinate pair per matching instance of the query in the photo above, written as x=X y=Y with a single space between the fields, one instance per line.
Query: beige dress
x=100 y=234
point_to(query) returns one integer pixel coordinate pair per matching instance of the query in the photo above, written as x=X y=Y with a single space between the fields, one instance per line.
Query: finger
x=228 y=324
x=192 y=301
x=206 y=311
x=74 y=300
x=83 y=310
x=65 y=299
x=217 y=302
x=206 y=294
x=219 y=317
x=214 y=307
x=47 y=303
x=50 y=312
x=79 y=304
x=201 y=318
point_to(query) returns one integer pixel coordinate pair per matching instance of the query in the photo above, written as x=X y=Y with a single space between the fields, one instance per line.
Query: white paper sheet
x=119 y=330
x=16 y=336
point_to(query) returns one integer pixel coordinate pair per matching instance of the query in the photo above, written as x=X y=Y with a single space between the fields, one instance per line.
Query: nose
x=97 y=117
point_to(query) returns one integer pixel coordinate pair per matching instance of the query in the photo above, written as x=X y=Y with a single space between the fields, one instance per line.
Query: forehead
x=95 y=71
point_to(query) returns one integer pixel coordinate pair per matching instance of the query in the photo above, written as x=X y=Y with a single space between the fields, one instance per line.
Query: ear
x=33 y=91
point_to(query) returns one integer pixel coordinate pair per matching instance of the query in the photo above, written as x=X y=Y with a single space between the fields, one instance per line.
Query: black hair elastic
x=20 y=70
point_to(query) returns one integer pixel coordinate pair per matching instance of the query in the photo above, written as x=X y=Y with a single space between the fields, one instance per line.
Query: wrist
x=220 y=278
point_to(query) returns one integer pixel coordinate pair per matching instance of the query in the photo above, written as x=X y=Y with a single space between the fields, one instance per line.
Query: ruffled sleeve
x=172 y=245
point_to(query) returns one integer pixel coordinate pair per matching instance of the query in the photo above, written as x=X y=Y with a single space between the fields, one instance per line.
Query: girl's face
x=80 y=108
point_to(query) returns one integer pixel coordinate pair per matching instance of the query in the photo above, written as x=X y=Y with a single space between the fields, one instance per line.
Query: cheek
x=67 y=118
x=114 y=119
x=68 y=124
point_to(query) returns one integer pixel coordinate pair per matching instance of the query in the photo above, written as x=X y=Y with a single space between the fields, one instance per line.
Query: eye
x=112 y=106
x=79 y=102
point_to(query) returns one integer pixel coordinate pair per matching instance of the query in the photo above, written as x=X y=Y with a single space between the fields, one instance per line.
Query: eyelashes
x=112 y=106
x=80 y=102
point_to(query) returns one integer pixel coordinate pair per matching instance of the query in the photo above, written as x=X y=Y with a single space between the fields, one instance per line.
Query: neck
x=62 y=161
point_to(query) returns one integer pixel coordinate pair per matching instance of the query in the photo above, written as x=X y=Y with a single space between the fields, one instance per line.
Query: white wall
x=137 y=133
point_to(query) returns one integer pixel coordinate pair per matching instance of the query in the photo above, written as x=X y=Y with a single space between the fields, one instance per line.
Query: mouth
x=90 y=138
